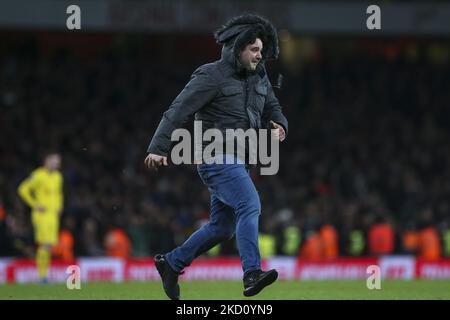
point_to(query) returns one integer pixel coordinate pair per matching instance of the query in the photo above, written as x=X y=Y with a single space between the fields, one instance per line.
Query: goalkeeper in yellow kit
x=43 y=192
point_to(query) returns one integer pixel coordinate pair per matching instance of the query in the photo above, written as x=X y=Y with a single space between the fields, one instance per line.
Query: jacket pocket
x=229 y=91
x=260 y=97
x=261 y=89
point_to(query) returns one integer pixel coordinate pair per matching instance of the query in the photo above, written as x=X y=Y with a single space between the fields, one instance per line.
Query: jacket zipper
x=246 y=102
x=246 y=92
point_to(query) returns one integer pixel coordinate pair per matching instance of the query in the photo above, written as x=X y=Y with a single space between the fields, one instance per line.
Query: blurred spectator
x=329 y=240
x=429 y=243
x=266 y=245
x=89 y=239
x=446 y=240
x=117 y=244
x=64 y=250
x=311 y=248
x=381 y=237
x=139 y=236
x=410 y=239
x=4 y=250
x=20 y=236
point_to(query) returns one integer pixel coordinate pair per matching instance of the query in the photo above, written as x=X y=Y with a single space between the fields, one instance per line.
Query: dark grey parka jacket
x=223 y=95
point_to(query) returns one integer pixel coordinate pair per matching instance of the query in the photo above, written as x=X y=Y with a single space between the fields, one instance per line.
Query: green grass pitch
x=232 y=290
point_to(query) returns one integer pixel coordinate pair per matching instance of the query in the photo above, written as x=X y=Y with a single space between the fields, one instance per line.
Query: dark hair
x=249 y=37
x=240 y=31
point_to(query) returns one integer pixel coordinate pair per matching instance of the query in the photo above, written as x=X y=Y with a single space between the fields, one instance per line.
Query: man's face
x=251 y=55
x=53 y=162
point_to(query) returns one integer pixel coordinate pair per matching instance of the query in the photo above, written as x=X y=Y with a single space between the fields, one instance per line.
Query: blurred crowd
x=365 y=169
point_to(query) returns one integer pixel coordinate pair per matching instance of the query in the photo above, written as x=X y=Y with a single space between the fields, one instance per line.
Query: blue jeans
x=235 y=209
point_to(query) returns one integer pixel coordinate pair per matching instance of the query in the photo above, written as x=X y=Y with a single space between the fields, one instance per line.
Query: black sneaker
x=256 y=280
x=168 y=276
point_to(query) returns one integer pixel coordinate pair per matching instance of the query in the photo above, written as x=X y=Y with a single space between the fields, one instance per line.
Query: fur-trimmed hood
x=234 y=34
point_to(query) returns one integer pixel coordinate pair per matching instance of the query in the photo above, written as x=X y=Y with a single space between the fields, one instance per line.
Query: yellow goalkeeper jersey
x=43 y=188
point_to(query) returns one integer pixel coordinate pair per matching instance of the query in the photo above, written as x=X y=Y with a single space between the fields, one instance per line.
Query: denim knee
x=223 y=234
x=249 y=207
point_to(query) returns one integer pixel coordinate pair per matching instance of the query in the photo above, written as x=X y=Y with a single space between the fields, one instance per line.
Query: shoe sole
x=160 y=267
x=267 y=280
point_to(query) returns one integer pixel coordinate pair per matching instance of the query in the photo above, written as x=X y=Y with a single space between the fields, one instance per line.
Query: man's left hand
x=279 y=133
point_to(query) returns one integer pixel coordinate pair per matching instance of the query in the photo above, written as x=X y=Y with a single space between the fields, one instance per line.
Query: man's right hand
x=153 y=161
